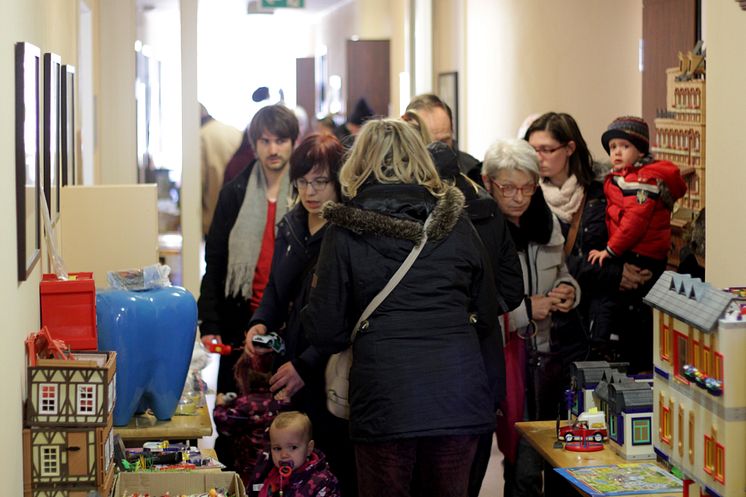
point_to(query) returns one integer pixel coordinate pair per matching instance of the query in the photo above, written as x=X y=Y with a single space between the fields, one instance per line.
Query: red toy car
x=590 y=425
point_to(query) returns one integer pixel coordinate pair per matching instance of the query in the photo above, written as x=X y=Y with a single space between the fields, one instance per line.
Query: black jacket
x=294 y=259
x=417 y=369
x=218 y=314
x=600 y=284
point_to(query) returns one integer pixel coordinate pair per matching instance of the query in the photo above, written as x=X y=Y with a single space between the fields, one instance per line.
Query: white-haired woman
x=511 y=174
x=419 y=393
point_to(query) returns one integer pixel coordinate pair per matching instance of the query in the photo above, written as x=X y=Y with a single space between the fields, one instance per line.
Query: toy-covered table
x=145 y=427
x=542 y=435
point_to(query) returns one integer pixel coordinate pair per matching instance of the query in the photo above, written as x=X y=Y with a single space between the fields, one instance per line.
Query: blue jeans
x=442 y=466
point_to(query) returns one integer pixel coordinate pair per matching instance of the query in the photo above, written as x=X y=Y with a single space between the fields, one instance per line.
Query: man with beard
x=240 y=242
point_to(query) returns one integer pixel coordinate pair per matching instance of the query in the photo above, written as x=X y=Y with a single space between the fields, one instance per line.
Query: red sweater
x=636 y=216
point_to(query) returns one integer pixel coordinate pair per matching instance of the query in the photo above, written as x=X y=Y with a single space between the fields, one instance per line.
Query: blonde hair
x=392 y=151
x=293 y=418
x=513 y=155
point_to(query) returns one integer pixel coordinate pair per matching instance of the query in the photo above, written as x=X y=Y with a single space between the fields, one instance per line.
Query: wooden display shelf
x=542 y=435
x=145 y=427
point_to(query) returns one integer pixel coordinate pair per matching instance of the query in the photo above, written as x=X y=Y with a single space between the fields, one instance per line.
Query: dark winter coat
x=218 y=314
x=600 y=284
x=294 y=258
x=313 y=479
x=490 y=223
x=417 y=369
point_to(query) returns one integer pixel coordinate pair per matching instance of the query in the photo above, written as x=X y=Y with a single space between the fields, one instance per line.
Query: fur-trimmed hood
x=401 y=213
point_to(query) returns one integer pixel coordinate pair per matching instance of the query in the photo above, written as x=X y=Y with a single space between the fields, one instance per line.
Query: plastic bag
x=154 y=276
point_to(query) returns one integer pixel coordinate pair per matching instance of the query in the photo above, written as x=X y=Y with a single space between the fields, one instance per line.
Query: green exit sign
x=282 y=4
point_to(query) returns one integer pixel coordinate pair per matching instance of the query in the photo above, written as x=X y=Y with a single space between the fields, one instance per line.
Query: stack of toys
x=68 y=439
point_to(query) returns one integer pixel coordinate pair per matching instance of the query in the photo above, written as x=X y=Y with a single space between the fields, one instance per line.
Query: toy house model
x=699 y=386
x=680 y=138
x=628 y=405
x=68 y=445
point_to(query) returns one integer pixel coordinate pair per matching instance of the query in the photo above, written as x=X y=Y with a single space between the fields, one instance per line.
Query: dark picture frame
x=448 y=92
x=27 y=75
x=67 y=125
x=51 y=134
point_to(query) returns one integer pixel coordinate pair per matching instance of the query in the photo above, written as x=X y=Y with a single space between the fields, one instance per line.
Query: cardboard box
x=177 y=483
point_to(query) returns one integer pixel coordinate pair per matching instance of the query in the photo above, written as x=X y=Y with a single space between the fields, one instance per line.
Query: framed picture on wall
x=448 y=92
x=51 y=133
x=67 y=125
x=27 y=64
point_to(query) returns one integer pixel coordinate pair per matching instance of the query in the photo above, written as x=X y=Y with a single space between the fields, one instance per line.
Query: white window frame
x=49 y=405
x=86 y=392
x=50 y=460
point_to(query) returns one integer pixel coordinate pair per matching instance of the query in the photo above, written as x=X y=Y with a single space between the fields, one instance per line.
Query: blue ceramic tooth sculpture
x=153 y=333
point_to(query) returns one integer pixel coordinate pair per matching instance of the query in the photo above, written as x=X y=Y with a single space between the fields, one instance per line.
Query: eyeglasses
x=318 y=184
x=509 y=190
x=547 y=150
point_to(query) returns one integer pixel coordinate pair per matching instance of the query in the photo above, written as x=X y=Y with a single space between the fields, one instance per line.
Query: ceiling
x=312 y=7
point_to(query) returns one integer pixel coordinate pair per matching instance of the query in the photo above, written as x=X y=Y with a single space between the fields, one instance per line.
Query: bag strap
x=395 y=279
x=573 y=233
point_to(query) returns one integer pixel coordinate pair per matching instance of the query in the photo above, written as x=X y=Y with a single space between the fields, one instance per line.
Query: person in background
x=411 y=402
x=438 y=118
x=242 y=158
x=297 y=469
x=299 y=372
x=326 y=125
x=493 y=231
x=692 y=254
x=218 y=143
x=347 y=131
x=640 y=194
x=511 y=175
x=239 y=244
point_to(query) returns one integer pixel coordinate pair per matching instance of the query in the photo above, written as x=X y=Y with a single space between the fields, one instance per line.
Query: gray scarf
x=245 y=240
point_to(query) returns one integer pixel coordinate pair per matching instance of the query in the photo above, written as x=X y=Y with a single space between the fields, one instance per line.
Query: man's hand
x=565 y=294
x=208 y=340
x=633 y=277
x=285 y=382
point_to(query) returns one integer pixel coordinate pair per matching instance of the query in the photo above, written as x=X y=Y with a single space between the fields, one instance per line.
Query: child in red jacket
x=640 y=192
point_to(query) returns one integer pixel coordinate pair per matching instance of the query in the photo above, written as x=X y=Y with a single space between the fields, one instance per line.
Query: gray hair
x=511 y=154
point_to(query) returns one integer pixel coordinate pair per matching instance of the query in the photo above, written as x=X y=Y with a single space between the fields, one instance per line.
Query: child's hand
x=598 y=256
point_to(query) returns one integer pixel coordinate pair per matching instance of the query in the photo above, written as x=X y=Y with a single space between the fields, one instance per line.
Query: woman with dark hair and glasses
x=572 y=184
x=299 y=371
x=511 y=175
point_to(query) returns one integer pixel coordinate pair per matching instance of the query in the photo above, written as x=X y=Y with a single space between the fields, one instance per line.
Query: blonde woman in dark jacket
x=418 y=389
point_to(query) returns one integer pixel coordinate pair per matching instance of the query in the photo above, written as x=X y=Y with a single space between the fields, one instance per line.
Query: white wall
x=726 y=164
x=533 y=56
x=50 y=25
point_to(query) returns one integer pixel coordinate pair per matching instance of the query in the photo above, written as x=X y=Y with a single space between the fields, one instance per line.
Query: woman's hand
x=633 y=277
x=565 y=294
x=248 y=347
x=542 y=306
x=285 y=382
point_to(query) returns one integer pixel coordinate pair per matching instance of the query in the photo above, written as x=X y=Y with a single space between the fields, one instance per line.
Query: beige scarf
x=245 y=240
x=565 y=200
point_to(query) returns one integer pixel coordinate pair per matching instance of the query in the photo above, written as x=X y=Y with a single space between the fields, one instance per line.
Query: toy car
x=590 y=425
x=271 y=341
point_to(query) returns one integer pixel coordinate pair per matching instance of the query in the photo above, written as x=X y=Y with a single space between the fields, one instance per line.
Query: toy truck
x=590 y=425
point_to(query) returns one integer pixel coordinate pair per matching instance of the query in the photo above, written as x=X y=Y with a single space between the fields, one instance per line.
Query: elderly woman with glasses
x=511 y=175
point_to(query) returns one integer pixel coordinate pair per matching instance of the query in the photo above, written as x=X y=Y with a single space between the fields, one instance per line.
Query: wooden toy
x=699 y=386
